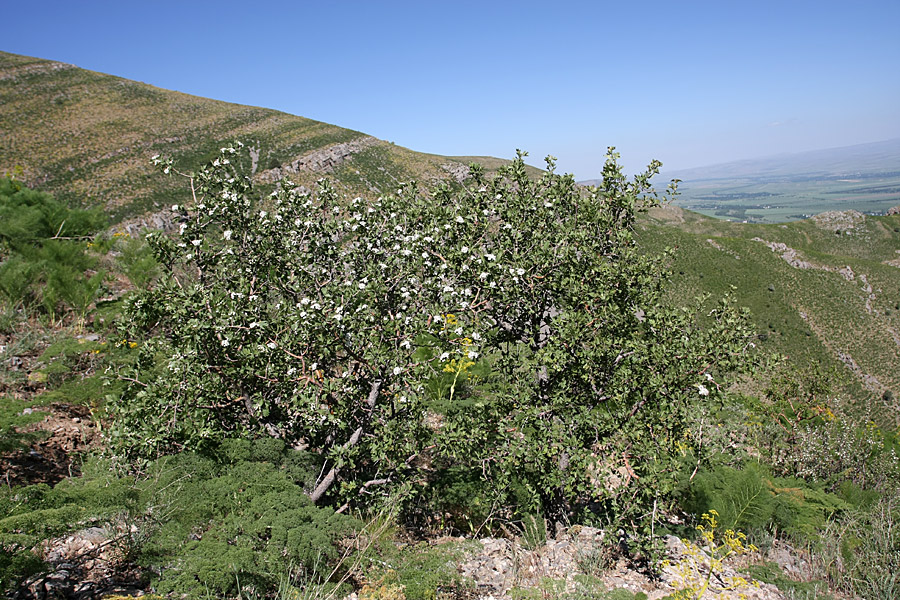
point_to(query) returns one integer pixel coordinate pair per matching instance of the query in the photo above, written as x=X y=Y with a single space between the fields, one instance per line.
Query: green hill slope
x=823 y=291
x=88 y=137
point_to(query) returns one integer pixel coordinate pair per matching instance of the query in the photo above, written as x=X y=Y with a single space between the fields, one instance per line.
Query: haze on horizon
x=691 y=85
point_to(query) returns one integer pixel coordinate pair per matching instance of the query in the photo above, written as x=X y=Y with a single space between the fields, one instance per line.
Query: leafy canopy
x=508 y=327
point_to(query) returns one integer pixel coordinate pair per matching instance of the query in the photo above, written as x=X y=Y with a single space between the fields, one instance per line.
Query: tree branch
x=330 y=478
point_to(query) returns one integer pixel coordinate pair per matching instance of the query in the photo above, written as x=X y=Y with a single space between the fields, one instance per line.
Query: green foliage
x=34 y=513
x=197 y=523
x=510 y=328
x=17 y=564
x=860 y=550
x=46 y=266
x=623 y=594
x=136 y=261
x=421 y=570
x=839 y=451
x=534 y=531
x=769 y=572
x=259 y=525
x=14 y=414
x=797 y=397
x=752 y=500
x=28 y=216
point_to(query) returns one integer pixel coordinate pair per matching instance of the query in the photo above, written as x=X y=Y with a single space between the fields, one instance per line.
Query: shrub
x=753 y=500
x=860 y=551
x=329 y=323
x=199 y=525
x=137 y=262
x=46 y=266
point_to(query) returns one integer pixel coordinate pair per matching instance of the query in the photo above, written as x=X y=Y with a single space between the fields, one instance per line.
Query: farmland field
x=780 y=199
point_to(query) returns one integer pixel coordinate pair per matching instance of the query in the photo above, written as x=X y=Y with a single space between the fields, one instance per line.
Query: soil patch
x=62 y=436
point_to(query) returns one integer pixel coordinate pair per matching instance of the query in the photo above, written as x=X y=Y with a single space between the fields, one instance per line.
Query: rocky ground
x=90 y=564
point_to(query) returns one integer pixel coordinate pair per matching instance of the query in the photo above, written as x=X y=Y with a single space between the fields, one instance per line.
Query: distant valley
x=788 y=187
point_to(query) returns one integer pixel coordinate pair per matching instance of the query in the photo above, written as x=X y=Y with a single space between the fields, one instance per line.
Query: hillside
x=314 y=396
x=88 y=137
x=824 y=291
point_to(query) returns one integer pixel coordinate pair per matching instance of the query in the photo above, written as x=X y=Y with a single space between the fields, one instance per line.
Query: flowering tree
x=352 y=329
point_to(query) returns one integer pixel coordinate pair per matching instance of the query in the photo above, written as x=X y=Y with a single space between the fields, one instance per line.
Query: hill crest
x=87 y=137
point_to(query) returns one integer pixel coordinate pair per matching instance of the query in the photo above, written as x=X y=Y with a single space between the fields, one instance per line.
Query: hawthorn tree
x=354 y=329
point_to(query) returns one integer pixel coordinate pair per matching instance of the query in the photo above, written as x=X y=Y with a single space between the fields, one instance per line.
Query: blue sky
x=689 y=83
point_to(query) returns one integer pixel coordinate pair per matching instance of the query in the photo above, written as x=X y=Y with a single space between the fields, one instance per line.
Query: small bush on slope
x=197 y=524
x=44 y=263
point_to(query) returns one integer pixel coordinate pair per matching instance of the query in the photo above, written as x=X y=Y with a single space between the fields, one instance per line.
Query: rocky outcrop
x=502 y=565
x=795 y=259
x=457 y=171
x=33 y=69
x=320 y=161
x=164 y=220
x=843 y=220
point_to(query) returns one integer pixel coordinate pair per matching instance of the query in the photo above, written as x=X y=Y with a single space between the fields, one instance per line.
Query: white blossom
x=702 y=389
x=227 y=234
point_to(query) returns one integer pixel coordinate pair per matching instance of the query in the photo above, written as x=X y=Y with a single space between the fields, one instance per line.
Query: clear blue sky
x=689 y=83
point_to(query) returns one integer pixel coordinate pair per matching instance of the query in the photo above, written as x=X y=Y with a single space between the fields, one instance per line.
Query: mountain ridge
x=855 y=158
x=87 y=137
